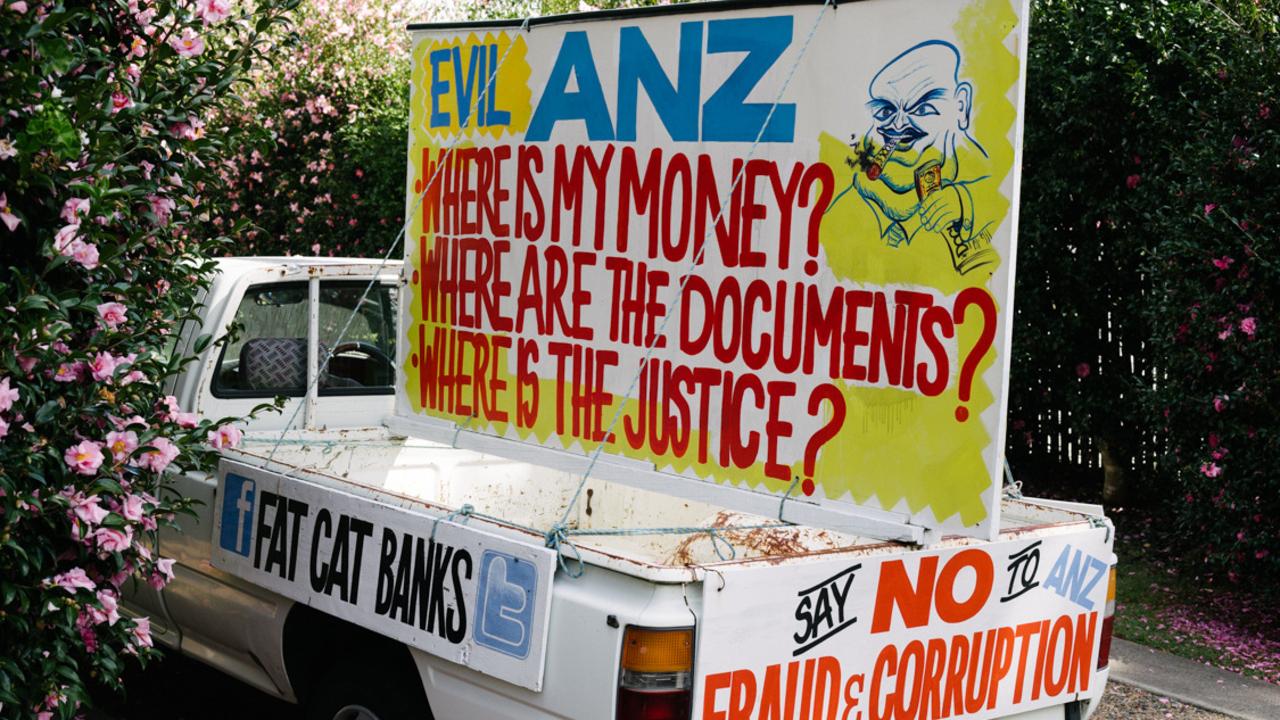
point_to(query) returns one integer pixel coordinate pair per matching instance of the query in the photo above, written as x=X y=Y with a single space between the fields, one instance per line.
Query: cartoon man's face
x=918 y=103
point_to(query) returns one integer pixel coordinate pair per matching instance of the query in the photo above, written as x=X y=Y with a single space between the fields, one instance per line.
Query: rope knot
x=557 y=538
x=466 y=511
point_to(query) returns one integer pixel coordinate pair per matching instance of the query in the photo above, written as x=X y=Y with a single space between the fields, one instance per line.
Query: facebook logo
x=237 y=514
x=505 y=594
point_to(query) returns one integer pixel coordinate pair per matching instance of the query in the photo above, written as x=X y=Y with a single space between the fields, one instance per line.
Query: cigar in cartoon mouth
x=881 y=157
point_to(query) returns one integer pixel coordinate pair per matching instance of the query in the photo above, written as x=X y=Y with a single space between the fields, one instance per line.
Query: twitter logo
x=506 y=591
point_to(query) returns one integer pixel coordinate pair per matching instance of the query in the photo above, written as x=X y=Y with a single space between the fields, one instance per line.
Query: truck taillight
x=656 y=682
x=1108 y=621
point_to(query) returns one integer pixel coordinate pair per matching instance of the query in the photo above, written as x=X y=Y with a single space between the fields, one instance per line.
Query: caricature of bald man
x=921 y=113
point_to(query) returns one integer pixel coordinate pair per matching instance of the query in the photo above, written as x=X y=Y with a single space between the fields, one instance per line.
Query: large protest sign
x=783 y=233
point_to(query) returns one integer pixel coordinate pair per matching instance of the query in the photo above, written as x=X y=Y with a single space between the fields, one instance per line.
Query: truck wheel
x=369 y=690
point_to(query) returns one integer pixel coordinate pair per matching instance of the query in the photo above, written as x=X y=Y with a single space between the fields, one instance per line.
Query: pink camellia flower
x=135 y=420
x=186 y=420
x=141 y=632
x=122 y=445
x=84 y=253
x=132 y=507
x=67 y=372
x=1083 y=370
x=114 y=314
x=88 y=509
x=110 y=606
x=74 y=209
x=1220 y=403
x=132 y=376
x=168 y=408
x=103 y=366
x=212 y=11
x=1223 y=262
x=163 y=574
x=1132 y=181
x=225 y=436
x=189 y=44
x=1226 y=333
x=6 y=214
x=1261 y=554
x=133 y=72
x=138 y=47
x=18 y=6
x=144 y=18
x=112 y=540
x=158 y=459
x=8 y=395
x=72 y=580
x=1210 y=470
x=63 y=239
x=120 y=101
x=162 y=208
x=84 y=625
x=1209 y=207
x=1248 y=326
x=7 y=148
x=118 y=579
x=85 y=458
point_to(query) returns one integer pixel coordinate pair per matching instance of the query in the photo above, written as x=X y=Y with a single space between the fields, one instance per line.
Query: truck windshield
x=269 y=354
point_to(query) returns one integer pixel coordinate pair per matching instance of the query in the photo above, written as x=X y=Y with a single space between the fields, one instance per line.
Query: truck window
x=269 y=355
x=364 y=357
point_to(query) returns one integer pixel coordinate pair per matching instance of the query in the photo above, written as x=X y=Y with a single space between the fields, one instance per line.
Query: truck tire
x=368 y=689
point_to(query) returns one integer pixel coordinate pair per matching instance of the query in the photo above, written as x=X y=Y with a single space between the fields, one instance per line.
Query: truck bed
x=438 y=480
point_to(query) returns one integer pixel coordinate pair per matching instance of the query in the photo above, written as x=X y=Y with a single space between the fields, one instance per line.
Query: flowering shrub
x=104 y=159
x=326 y=174
x=1147 y=281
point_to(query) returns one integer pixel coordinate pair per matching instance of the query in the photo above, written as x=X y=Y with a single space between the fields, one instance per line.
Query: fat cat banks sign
x=775 y=240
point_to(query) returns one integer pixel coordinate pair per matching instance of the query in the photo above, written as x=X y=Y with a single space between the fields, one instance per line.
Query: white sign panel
x=462 y=594
x=804 y=219
x=974 y=632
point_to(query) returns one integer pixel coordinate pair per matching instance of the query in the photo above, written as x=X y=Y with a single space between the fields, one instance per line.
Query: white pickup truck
x=786 y=622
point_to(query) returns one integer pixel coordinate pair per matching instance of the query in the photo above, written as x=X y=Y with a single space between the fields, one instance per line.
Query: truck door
x=224 y=620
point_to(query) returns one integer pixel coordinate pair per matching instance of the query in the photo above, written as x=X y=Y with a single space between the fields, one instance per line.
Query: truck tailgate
x=969 y=628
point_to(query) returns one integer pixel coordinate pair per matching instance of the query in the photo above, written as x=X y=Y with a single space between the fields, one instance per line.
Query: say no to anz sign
x=454 y=591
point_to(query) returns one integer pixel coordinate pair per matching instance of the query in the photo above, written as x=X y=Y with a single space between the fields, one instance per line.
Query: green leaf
x=48 y=411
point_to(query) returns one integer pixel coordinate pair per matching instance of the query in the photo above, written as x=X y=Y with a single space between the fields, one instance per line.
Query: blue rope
x=787 y=496
x=466 y=511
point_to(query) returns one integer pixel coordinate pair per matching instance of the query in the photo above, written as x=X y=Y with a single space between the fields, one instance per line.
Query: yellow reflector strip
x=1111 y=585
x=657 y=650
